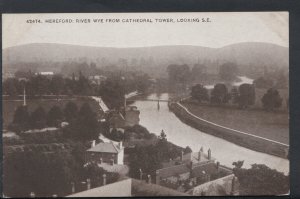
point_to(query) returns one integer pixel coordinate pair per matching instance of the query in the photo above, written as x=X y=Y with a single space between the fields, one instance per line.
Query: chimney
x=199 y=156
x=181 y=158
x=32 y=195
x=218 y=166
x=201 y=149
x=141 y=174
x=104 y=179
x=149 y=179
x=93 y=143
x=209 y=154
x=73 y=187
x=157 y=177
x=88 y=182
x=232 y=185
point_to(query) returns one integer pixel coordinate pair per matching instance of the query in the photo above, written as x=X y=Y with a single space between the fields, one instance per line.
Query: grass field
x=271 y=125
x=9 y=106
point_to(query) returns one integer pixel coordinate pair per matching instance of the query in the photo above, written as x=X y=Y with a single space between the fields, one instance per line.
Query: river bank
x=237 y=137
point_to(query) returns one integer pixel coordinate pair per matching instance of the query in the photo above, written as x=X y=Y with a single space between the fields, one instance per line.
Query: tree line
x=112 y=89
x=243 y=96
x=82 y=123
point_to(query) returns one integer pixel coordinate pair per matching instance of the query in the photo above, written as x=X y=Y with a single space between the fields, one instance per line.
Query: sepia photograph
x=145 y=104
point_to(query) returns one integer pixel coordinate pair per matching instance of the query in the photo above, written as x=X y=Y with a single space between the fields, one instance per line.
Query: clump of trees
x=244 y=96
x=50 y=173
x=271 y=99
x=261 y=180
x=200 y=93
x=228 y=71
x=219 y=94
x=83 y=124
x=156 y=154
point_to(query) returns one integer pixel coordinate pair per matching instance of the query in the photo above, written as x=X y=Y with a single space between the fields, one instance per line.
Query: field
x=274 y=126
x=9 y=106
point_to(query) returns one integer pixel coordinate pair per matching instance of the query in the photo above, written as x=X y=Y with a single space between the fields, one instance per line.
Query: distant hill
x=156 y=58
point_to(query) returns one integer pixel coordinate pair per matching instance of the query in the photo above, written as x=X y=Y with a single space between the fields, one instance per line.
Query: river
x=183 y=135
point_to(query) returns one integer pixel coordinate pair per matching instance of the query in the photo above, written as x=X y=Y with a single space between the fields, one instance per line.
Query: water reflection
x=183 y=135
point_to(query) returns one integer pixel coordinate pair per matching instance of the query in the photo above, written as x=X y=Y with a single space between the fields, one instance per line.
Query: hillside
x=144 y=58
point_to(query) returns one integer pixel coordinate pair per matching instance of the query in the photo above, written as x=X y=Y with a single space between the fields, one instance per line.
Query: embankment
x=240 y=138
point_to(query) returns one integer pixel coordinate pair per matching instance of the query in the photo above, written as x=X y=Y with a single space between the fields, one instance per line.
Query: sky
x=223 y=29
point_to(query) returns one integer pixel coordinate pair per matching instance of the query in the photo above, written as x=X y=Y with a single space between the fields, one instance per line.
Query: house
x=193 y=168
x=48 y=73
x=106 y=152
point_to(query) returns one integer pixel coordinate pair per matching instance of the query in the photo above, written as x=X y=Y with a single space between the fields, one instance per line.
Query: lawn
x=9 y=106
x=271 y=125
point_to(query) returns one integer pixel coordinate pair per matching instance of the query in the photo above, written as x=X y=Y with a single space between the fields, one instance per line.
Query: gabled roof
x=104 y=147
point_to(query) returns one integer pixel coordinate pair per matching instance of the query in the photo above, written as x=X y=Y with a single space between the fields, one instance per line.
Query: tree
x=261 y=180
x=44 y=174
x=86 y=125
x=57 y=85
x=38 y=118
x=271 y=99
x=199 y=93
x=178 y=73
x=234 y=95
x=246 y=95
x=219 y=94
x=70 y=111
x=54 y=116
x=187 y=150
x=228 y=71
x=198 y=71
x=263 y=82
x=21 y=118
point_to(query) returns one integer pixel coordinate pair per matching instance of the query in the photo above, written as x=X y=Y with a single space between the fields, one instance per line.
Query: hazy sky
x=224 y=29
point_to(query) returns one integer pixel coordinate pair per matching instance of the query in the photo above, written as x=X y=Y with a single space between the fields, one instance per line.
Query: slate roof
x=173 y=171
x=209 y=168
x=104 y=147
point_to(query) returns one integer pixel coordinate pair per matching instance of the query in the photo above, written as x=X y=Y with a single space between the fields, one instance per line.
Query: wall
x=218 y=187
x=106 y=157
x=246 y=140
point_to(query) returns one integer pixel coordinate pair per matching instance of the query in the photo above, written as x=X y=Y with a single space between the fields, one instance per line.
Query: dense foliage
x=261 y=180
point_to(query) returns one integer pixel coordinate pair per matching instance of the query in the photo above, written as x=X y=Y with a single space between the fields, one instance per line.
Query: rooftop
x=105 y=147
x=128 y=187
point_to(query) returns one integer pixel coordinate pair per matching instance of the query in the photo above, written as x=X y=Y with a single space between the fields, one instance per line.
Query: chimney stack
x=73 y=187
x=32 y=195
x=157 y=177
x=199 y=155
x=104 y=179
x=149 y=179
x=141 y=174
x=181 y=158
x=201 y=149
x=88 y=182
x=209 y=154
x=93 y=143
